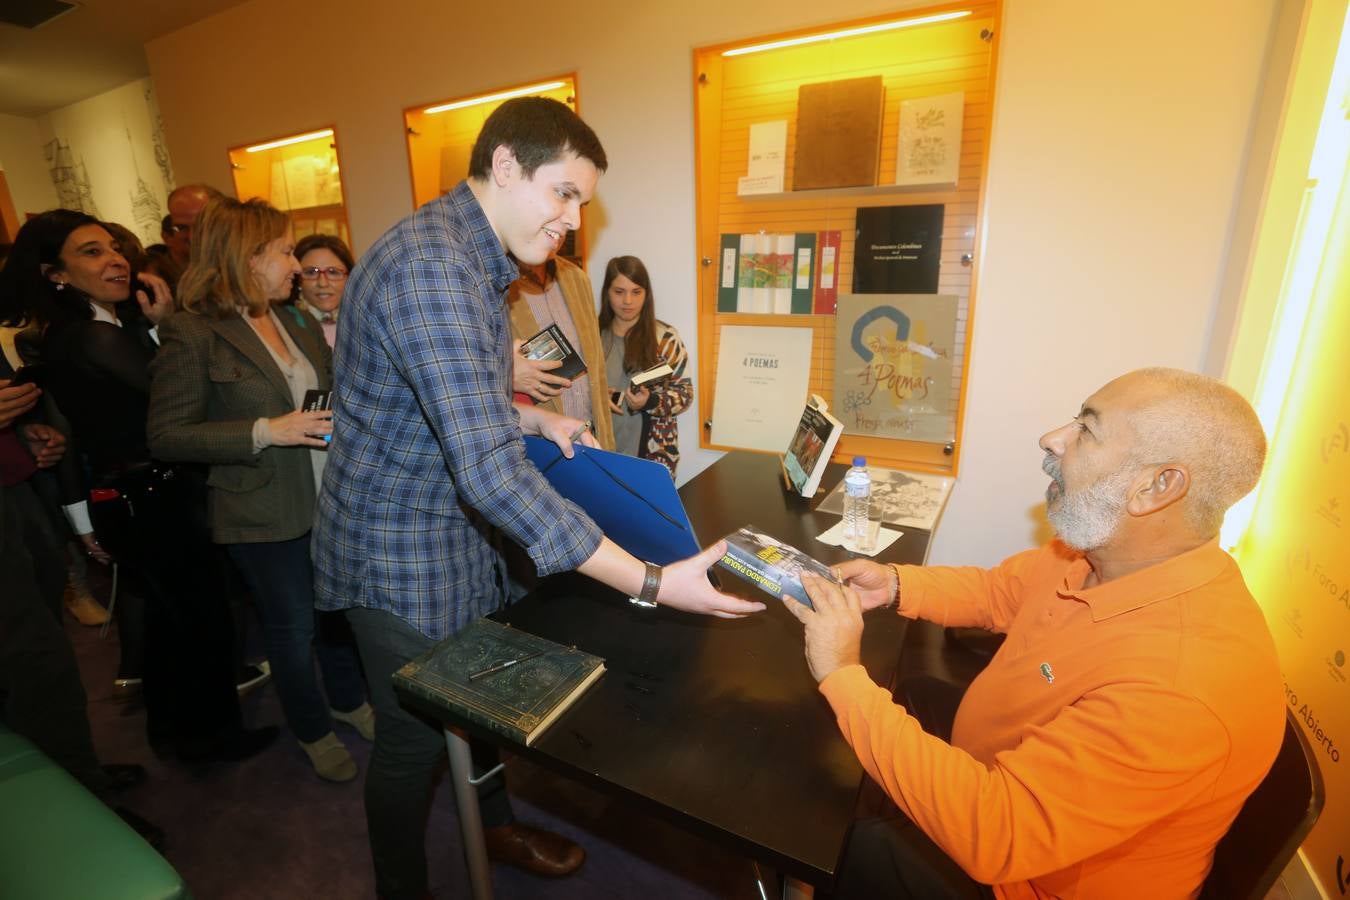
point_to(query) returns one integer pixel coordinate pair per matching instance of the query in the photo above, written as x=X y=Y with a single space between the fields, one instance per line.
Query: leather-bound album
x=510 y=681
x=838 y=133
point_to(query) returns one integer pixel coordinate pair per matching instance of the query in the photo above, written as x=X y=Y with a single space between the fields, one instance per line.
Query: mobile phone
x=614 y=397
x=318 y=400
x=31 y=374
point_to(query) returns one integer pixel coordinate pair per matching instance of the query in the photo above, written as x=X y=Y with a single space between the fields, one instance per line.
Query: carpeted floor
x=268 y=828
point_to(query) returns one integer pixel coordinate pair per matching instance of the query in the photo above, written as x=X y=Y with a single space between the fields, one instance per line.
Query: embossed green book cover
x=508 y=680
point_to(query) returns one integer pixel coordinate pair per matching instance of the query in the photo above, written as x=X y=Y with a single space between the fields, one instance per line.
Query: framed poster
x=893 y=365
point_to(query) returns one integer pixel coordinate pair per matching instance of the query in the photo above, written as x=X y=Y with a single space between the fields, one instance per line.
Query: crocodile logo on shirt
x=1047 y=673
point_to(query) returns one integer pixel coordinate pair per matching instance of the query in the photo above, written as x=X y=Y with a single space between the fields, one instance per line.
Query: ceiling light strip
x=490 y=98
x=299 y=138
x=847 y=32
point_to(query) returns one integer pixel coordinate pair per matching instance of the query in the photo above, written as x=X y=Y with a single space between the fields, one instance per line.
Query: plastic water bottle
x=857 y=507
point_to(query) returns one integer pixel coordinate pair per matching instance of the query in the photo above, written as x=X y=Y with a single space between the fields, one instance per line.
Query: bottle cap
x=860 y=460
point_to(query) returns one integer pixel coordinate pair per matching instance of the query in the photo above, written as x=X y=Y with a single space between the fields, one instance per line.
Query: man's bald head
x=1203 y=424
x=185 y=203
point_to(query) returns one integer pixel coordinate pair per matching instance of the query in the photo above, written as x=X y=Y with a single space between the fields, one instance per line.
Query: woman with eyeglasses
x=228 y=389
x=325 y=263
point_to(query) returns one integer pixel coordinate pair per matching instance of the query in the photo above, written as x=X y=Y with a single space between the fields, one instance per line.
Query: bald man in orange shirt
x=1135 y=702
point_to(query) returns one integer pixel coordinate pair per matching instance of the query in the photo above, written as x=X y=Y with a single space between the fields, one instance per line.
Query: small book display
x=770 y=565
x=509 y=681
x=812 y=445
x=551 y=343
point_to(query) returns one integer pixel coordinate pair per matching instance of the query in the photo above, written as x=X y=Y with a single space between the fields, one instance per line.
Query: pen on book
x=474 y=676
x=576 y=435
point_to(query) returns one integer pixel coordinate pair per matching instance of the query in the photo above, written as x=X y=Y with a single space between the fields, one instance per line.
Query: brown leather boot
x=534 y=850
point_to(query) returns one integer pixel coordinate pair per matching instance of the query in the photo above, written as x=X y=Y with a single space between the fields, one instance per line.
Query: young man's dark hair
x=538 y=131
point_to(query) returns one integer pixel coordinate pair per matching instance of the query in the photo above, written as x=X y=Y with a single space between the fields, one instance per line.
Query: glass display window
x=839 y=182
x=298 y=174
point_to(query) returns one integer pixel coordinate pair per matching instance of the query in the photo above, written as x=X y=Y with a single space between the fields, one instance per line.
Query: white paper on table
x=884 y=537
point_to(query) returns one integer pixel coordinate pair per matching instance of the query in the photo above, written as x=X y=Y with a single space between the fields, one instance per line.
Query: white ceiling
x=90 y=50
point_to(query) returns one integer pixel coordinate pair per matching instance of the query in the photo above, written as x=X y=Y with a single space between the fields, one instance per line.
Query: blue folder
x=633 y=500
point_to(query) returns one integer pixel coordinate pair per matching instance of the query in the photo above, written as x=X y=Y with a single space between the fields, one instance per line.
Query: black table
x=714 y=724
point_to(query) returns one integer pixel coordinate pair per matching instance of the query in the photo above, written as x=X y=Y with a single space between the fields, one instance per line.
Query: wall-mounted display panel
x=839 y=183
x=441 y=136
x=298 y=174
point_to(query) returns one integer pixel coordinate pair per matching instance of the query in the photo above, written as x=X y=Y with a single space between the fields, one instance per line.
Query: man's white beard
x=1087 y=518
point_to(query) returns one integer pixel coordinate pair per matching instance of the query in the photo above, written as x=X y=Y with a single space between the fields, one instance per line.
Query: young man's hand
x=533 y=376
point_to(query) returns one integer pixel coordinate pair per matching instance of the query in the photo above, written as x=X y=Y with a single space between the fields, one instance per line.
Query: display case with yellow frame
x=441 y=136
x=298 y=174
x=904 y=59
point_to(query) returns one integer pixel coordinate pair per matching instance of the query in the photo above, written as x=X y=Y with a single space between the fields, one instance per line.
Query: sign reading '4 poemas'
x=893 y=365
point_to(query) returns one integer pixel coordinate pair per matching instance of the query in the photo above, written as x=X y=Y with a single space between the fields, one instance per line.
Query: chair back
x=1271 y=824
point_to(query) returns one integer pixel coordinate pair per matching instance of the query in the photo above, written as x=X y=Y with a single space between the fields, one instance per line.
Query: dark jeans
x=887 y=854
x=45 y=701
x=281 y=577
x=408 y=751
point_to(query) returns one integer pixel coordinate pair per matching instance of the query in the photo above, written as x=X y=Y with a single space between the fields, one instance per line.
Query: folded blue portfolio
x=633 y=500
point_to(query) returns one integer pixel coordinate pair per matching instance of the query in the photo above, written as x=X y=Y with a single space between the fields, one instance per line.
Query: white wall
x=112 y=139
x=1116 y=150
x=25 y=170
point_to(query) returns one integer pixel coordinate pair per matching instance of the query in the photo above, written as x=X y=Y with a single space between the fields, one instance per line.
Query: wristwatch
x=651 y=584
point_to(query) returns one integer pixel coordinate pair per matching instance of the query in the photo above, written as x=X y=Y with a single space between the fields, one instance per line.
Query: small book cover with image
x=811 y=446
x=551 y=343
x=769 y=564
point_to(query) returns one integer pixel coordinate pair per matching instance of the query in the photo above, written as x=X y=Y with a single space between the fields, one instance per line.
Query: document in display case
x=762 y=376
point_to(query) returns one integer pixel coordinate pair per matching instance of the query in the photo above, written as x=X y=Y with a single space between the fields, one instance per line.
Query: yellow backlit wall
x=1296 y=553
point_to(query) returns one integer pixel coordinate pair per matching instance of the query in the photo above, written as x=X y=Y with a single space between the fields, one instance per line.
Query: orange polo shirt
x=1111 y=740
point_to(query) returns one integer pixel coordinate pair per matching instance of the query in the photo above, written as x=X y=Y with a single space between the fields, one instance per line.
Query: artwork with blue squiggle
x=881 y=312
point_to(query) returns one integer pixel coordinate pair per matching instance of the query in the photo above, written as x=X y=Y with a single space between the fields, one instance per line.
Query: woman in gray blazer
x=227 y=389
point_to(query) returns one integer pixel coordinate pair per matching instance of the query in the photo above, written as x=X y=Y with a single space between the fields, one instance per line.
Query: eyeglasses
x=176 y=229
x=311 y=273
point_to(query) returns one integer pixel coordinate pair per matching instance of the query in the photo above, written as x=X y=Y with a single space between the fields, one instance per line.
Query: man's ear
x=503 y=164
x=1167 y=485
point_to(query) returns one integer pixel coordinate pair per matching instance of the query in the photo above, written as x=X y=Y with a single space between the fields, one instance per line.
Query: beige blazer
x=576 y=290
x=210 y=381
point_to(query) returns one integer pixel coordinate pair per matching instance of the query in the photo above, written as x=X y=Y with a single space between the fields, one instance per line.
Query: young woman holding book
x=635 y=341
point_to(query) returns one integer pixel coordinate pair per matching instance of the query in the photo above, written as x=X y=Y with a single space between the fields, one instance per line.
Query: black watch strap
x=651 y=585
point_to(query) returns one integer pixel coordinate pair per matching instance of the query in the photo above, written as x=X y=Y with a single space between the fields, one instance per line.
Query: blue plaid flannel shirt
x=424 y=433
